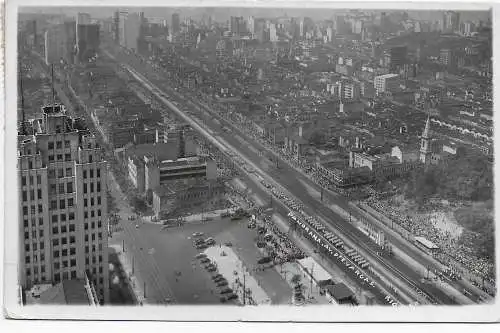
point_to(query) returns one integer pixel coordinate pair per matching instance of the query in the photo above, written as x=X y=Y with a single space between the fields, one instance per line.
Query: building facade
x=63 y=203
x=386 y=83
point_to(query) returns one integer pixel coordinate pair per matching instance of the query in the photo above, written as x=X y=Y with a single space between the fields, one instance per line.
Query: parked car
x=217 y=276
x=201 y=256
x=204 y=260
x=222 y=283
x=232 y=296
x=226 y=291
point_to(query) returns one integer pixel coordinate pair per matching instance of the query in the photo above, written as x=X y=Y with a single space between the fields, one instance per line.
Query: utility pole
x=144 y=289
x=123 y=245
x=244 y=286
x=53 y=89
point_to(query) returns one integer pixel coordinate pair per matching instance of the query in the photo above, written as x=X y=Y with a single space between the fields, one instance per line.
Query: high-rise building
x=63 y=204
x=175 y=24
x=237 y=25
x=130 y=28
x=83 y=18
x=60 y=43
x=251 y=25
x=398 y=56
x=452 y=21
x=273 y=37
x=87 y=41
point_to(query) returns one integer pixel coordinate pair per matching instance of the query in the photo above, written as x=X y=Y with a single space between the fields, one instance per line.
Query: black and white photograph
x=304 y=159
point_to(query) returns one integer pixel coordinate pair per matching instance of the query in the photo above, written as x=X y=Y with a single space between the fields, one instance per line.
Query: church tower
x=425 y=145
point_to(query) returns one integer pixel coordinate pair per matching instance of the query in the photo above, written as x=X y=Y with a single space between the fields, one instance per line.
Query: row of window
x=64 y=241
x=62 y=189
x=27 y=259
x=92 y=213
x=61 y=173
x=91 y=173
x=94 y=261
x=33 y=222
x=59 y=144
x=32 y=195
x=35 y=271
x=64 y=252
x=32 y=209
x=64 y=229
x=33 y=234
x=93 y=249
x=35 y=246
x=62 y=203
x=64 y=276
x=62 y=217
x=98 y=187
x=64 y=264
x=93 y=236
x=59 y=157
x=24 y=180
x=92 y=201
x=92 y=225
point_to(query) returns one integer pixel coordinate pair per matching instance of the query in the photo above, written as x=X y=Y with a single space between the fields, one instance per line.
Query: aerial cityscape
x=246 y=156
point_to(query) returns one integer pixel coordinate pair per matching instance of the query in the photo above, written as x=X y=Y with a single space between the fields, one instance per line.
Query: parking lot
x=174 y=253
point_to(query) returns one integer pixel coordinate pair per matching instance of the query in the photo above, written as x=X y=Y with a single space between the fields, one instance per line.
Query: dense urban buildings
x=302 y=150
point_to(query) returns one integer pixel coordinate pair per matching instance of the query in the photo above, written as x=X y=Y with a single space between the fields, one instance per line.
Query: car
x=201 y=256
x=201 y=246
x=229 y=244
x=222 y=283
x=204 y=260
x=210 y=241
x=137 y=226
x=220 y=279
x=226 y=290
x=197 y=234
x=211 y=268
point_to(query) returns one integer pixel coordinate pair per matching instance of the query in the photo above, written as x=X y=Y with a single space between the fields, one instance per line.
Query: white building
x=386 y=83
x=63 y=204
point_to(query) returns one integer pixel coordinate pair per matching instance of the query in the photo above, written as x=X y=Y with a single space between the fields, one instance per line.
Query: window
x=72 y=251
x=41 y=232
x=67 y=144
x=38 y=179
x=84 y=188
x=86 y=238
x=25 y=210
x=61 y=188
x=100 y=258
x=98 y=173
x=33 y=210
x=63 y=219
x=27 y=247
x=64 y=252
x=26 y=224
x=91 y=187
x=100 y=271
x=64 y=241
x=99 y=224
x=86 y=214
x=23 y=180
x=67 y=157
x=57 y=277
x=59 y=157
x=87 y=261
x=52 y=173
x=73 y=274
x=93 y=237
x=86 y=249
x=42 y=257
x=53 y=204
x=40 y=208
x=71 y=228
x=65 y=263
x=63 y=229
x=69 y=187
x=55 y=230
x=86 y=226
x=90 y=158
x=98 y=212
x=98 y=200
x=42 y=246
x=56 y=266
x=55 y=218
x=32 y=194
x=30 y=166
x=59 y=145
x=72 y=239
x=92 y=213
x=51 y=158
x=56 y=254
x=55 y=242
x=99 y=235
x=53 y=188
x=70 y=202
x=62 y=204
x=84 y=174
x=85 y=202
x=72 y=262
x=33 y=234
x=26 y=235
x=91 y=171
x=71 y=216
x=98 y=186
x=51 y=145
x=25 y=196
x=93 y=225
x=91 y=201
x=69 y=172
x=39 y=194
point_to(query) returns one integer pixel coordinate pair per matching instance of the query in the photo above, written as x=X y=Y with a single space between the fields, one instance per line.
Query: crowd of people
x=451 y=249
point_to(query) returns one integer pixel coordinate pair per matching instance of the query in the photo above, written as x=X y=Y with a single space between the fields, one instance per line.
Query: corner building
x=63 y=203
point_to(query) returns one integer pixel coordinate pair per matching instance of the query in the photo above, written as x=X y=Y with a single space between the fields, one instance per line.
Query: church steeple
x=427 y=129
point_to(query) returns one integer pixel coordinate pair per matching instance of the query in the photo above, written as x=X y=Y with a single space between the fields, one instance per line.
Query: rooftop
x=68 y=292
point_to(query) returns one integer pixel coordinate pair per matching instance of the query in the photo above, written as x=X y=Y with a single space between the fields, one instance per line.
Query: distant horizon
x=225 y=12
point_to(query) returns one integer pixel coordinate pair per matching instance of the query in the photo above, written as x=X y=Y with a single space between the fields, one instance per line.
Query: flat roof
x=318 y=272
x=427 y=243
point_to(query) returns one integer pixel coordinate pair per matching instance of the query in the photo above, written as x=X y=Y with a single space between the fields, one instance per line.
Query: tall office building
x=175 y=24
x=251 y=25
x=63 y=215
x=451 y=21
x=87 y=41
x=398 y=56
x=273 y=37
x=83 y=18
